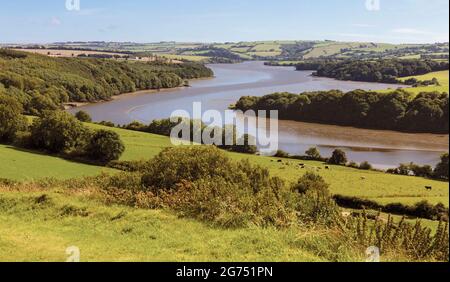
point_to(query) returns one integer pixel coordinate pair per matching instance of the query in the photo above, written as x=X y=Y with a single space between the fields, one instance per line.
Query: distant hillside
x=267 y=50
x=41 y=82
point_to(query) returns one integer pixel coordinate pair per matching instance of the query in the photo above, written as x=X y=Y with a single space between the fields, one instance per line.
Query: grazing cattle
x=429 y=188
x=280 y=161
x=327 y=167
x=363 y=178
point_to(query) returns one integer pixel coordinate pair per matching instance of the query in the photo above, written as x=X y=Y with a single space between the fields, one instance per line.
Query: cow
x=429 y=188
x=327 y=167
x=363 y=178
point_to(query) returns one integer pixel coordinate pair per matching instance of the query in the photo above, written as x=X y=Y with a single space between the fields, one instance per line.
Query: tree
x=311 y=181
x=338 y=158
x=246 y=145
x=57 y=132
x=441 y=170
x=313 y=153
x=83 y=116
x=11 y=118
x=105 y=146
x=365 y=166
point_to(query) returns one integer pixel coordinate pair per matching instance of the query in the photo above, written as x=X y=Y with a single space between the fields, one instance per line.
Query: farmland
x=261 y=50
x=378 y=186
x=18 y=164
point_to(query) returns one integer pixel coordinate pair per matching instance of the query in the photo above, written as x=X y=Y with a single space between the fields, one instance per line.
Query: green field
x=42 y=232
x=33 y=231
x=378 y=186
x=442 y=77
x=19 y=164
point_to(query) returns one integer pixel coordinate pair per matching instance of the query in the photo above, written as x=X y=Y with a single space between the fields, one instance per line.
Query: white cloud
x=411 y=31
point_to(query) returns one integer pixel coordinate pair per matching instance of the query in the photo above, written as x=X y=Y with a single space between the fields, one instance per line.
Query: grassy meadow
x=42 y=232
x=381 y=187
x=22 y=165
x=441 y=76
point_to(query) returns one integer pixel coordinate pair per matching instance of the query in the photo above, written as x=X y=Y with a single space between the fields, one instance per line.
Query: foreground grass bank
x=32 y=231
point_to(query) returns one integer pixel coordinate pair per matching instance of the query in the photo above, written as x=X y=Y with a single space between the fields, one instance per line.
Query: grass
x=343 y=180
x=18 y=164
x=191 y=58
x=42 y=232
x=441 y=76
x=381 y=187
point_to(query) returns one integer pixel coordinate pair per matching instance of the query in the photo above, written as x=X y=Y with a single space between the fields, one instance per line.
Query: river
x=384 y=149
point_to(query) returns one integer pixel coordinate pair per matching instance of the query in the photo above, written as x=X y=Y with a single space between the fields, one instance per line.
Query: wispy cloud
x=362 y=25
x=411 y=31
x=428 y=36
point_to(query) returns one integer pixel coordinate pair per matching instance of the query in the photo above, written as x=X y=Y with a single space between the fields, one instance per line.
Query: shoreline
x=118 y=97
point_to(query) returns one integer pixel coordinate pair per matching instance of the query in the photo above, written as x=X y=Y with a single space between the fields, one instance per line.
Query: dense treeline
x=421 y=209
x=397 y=110
x=386 y=71
x=44 y=83
x=57 y=132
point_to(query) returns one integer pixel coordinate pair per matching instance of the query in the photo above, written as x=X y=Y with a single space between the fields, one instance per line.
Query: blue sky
x=396 y=21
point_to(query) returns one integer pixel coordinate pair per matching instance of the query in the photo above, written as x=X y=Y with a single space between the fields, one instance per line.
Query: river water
x=383 y=149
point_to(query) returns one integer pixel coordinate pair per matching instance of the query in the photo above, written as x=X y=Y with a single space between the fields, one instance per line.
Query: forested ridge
x=44 y=83
x=386 y=71
x=397 y=110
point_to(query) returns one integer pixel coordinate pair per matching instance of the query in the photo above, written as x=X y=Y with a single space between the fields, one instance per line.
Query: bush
x=315 y=204
x=365 y=166
x=11 y=119
x=202 y=182
x=281 y=154
x=338 y=158
x=83 y=116
x=58 y=132
x=174 y=165
x=313 y=153
x=105 y=146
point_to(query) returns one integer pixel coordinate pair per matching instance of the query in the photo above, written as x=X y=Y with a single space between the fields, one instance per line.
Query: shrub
x=365 y=166
x=313 y=153
x=57 y=132
x=83 y=116
x=282 y=154
x=315 y=204
x=174 y=165
x=11 y=118
x=338 y=158
x=202 y=182
x=105 y=146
